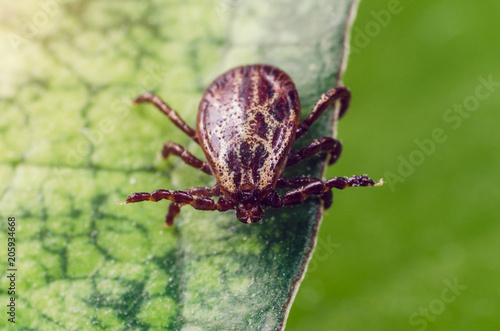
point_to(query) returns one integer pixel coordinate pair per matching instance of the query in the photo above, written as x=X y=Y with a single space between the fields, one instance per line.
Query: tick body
x=248 y=120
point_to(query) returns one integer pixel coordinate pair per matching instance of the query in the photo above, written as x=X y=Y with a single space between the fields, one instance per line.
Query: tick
x=248 y=120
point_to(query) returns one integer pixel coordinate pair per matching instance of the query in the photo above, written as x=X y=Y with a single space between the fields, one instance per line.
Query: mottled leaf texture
x=72 y=145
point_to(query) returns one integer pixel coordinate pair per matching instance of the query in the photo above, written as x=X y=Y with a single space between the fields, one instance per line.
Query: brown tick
x=248 y=120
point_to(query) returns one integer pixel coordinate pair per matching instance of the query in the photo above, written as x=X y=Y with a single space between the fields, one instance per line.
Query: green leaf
x=72 y=146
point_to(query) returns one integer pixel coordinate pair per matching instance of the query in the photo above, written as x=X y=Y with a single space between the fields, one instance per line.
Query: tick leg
x=172 y=114
x=331 y=146
x=188 y=158
x=197 y=197
x=315 y=187
x=327 y=199
x=321 y=187
x=284 y=182
x=205 y=191
x=174 y=208
x=297 y=182
x=341 y=94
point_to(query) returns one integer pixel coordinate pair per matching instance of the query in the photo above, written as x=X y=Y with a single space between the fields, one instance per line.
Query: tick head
x=249 y=213
x=249 y=210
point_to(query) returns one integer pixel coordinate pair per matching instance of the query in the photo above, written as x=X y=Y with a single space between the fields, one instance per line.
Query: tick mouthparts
x=380 y=182
x=249 y=213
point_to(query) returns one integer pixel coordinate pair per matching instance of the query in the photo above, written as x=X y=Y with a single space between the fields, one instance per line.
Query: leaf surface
x=72 y=146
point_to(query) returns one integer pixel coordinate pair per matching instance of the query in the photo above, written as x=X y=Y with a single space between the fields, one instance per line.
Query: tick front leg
x=188 y=158
x=332 y=146
x=284 y=182
x=321 y=187
x=197 y=197
x=174 y=208
x=341 y=94
x=297 y=182
x=172 y=114
x=313 y=186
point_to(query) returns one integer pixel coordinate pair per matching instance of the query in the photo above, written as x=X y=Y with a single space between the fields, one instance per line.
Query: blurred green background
x=385 y=259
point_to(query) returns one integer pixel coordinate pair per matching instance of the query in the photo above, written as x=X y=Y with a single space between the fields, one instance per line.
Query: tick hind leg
x=198 y=198
x=327 y=144
x=172 y=114
x=188 y=158
x=340 y=94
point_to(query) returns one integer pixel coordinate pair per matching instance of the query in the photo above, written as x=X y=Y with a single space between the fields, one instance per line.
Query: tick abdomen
x=246 y=125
